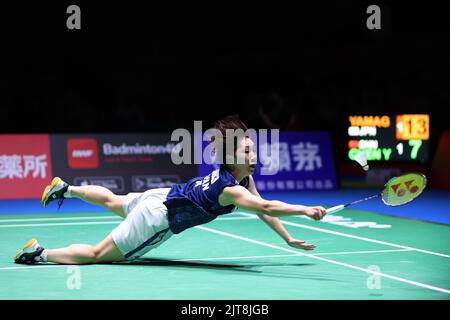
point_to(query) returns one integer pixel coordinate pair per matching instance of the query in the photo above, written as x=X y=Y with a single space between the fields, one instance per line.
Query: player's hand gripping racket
x=397 y=191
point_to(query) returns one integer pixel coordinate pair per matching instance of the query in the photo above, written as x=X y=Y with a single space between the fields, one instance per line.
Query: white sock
x=42 y=257
x=68 y=193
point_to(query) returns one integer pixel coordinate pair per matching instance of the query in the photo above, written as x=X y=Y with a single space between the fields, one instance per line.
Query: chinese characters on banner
x=21 y=166
x=305 y=162
x=25 y=165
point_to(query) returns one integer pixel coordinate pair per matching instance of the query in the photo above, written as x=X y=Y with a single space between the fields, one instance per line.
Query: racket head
x=403 y=189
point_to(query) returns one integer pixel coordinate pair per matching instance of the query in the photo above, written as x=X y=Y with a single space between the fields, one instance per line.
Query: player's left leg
x=98 y=195
x=104 y=252
x=101 y=196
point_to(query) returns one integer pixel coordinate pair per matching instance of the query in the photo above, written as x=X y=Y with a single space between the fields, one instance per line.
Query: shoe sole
x=49 y=188
x=25 y=247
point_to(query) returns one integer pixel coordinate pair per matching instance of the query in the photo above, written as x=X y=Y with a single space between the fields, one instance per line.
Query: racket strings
x=403 y=189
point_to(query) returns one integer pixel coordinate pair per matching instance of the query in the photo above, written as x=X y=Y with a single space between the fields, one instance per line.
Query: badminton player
x=152 y=217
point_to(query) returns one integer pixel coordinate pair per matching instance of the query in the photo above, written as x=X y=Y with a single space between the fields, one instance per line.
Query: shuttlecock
x=362 y=160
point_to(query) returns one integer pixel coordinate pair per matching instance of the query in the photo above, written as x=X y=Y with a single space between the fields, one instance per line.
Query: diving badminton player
x=152 y=217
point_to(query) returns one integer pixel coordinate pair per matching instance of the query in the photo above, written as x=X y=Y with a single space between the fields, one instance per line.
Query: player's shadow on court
x=242 y=267
x=197 y=265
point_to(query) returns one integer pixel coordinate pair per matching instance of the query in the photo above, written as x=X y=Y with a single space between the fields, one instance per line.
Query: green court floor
x=359 y=255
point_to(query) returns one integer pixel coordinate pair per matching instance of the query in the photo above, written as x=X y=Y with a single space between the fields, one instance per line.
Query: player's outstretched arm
x=242 y=198
x=275 y=224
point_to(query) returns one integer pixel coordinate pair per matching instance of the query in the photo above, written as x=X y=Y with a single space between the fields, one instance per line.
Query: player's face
x=246 y=156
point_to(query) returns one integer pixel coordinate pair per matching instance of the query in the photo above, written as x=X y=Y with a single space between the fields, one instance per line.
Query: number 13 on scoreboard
x=412 y=126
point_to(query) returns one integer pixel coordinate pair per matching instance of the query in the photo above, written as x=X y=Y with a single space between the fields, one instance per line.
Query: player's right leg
x=105 y=251
x=145 y=228
x=98 y=195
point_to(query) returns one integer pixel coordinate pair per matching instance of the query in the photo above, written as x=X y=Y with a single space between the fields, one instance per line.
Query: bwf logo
x=82 y=153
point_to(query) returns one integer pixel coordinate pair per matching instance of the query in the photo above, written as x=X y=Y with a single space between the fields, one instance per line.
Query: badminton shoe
x=54 y=191
x=31 y=253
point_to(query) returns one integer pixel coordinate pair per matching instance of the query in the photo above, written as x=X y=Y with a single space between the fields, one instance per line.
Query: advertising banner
x=137 y=162
x=304 y=162
x=120 y=162
x=25 y=165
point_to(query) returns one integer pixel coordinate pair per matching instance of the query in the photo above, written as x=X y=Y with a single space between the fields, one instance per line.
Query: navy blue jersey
x=197 y=201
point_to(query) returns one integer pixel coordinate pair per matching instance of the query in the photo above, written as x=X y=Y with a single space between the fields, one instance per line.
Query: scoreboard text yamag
x=403 y=137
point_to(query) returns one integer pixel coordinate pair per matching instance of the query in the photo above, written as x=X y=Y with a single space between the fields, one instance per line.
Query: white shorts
x=145 y=226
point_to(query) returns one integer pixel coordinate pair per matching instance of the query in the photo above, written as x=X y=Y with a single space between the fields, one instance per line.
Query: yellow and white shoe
x=30 y=253
x=54 y=191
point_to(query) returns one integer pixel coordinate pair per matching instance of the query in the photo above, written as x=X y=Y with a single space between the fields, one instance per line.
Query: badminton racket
x=396 y=192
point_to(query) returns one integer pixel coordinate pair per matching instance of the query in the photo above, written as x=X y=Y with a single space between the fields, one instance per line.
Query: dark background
x=136 y=68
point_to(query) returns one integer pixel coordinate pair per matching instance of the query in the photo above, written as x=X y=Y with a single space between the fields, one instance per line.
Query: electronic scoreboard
x=403 y=137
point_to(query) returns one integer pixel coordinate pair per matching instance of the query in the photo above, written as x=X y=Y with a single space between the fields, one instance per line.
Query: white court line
x=238 y=258
x=224 y=258
x=178 y=260
x=359 y=252
x=293 y=255
x=355 y=237
x=40 y=267
x=235 y=216
x=57 y=224
x=60 y=219
x=93 y=223
x=415 y=283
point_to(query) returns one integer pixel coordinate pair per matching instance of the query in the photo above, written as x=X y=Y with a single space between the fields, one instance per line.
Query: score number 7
x=415 y=144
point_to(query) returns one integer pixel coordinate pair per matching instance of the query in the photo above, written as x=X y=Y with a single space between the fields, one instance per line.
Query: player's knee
x=99 y=254
x=116 y=205
x=85 y=253
x=109 y=199
x=91 y=255
x=95 y=255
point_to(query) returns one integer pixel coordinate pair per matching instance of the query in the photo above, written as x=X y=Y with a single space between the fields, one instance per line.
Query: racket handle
x=335 y=209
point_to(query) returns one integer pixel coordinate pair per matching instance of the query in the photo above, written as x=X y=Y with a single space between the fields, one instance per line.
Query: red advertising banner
x=25 y=165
